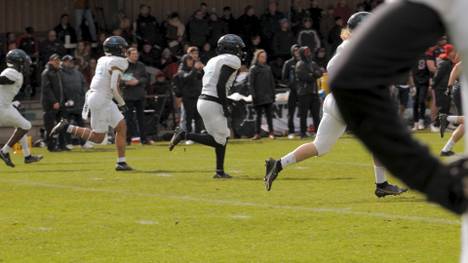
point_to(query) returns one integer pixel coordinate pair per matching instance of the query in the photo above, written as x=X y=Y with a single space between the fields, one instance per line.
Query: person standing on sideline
x=262 y=87
x=289 y=76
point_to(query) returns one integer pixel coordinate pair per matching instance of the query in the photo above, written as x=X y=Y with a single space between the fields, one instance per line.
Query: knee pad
x=322 y=147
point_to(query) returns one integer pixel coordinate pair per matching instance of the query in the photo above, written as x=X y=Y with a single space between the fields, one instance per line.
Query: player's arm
x=431 y=65
x=5 y=80
x=226 y=73
x=115 y=80
x=455 y=74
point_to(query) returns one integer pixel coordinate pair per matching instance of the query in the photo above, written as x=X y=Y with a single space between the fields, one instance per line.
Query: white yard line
x=339 y=211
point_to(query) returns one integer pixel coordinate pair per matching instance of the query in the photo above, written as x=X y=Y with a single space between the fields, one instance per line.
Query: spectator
x=52 y=99
x=276 y=66
x=83 y=54
x=135 y=82
x=207 y=53
x=262 y=87
x=148 y=56
x=28 y=43
x=229 y=19
x=50 y=46
x=421 y=78
x=254 y=44
x=74 y=91
x=334 y=36
x=269 y=23
x=83 y=11
x=198 y=29
x=204 y=10
x=99 y=50
x=307 y=73
x=289 y=76
x=188 y=84
x=308 y=37
x=283 y=40
x=147 y=27
x=167 y=63
x=127 y=30
x=218 y=28
x=403 y=84
x=65 y=31
x=89 y=71
x=321 y=58
x=248 y=24
x=315 y=14
x=175 y=32
x=296 y=14
x=327 y=22
x=342 y=10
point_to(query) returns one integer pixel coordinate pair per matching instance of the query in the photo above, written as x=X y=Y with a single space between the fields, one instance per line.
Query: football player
x=219 y=76
x=330 y=129
x=11 y=80
x=387 y=45
x=104 y=112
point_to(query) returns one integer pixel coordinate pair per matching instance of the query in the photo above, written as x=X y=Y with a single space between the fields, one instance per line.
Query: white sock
x=288 y=159
x=379 y=173
x=25 y=146
x=70 y=128
x=452 y=119
x=448 y=146
x=121 y=160
x=6 y=149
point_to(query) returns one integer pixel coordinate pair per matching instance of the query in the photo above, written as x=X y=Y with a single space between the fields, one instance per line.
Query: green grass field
x=73 y=207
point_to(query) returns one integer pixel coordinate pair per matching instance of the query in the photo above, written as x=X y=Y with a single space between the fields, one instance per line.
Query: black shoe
x=122 y=167
x=222 y=175
x=6 y=158
x=179 y=135
x=388 y=189
x=32 y=159
x=446 y=154
x=59 y=128
x=272 y=170
x=443 y=123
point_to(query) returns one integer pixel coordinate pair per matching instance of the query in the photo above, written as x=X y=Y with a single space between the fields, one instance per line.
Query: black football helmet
x=18 y=59
x=115 y=46
x=231 y=44
x=356 y=19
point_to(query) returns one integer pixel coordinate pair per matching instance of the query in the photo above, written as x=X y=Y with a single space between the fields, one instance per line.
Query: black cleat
x=123 y=167
x=222 y=175
x=443 y=124
x=59 y=128
x=32 y=159
x=6 y=158
x=389 y=189
x=272 y=170
x=446 y=154
x=179 y=135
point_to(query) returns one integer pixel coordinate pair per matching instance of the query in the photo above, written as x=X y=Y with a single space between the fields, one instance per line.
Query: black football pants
x=380 y=51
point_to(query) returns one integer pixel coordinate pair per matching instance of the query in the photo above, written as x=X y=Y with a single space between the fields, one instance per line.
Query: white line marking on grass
x=339 y=211
x=147 y=222
x=243 y=217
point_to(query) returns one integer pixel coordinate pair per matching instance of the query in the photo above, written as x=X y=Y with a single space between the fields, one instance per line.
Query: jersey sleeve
x=232 y=62
x=11 y=74
x=119 y=64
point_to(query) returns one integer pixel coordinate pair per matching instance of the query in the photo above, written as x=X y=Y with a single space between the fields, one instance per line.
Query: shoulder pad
x=11 y=74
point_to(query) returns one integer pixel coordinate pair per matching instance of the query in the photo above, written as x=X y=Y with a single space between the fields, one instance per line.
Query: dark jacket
x=137 y=71
x=288 y=73
x=218 y=29
x=261 y=84
x=198 y=31
x=148 y=30
x=47 y=48
x=442 y=75
x=248 y=26
x=282 y=43
x=307 y=73
x=270 y=24
x=188 y=81
x=51 y=88
x=74 y=88
x=65 y=31
x=309 y=38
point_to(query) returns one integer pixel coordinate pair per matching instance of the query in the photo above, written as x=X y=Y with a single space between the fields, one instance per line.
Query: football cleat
x=32 y=159
x=222 y=175
x=59 y=128
x=122 y=167
x=6 y=158
x=272 y=171
x=443 y=124
x=389 y=189
x=446 y=154
x=179 y=135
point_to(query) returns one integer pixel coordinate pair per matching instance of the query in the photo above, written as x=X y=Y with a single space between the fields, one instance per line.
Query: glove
x=124 y=109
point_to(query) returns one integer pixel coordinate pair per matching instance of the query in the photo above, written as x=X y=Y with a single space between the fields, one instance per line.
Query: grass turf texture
x=73 y=207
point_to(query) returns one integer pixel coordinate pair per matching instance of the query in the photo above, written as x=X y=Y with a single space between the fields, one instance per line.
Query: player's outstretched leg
x=456 y=136
x=120 y=144
x=179 y=135
x=5 y=151
x=383 y=188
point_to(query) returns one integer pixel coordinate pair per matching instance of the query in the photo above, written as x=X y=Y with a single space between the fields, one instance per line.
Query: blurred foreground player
x=219 y=76
x=330 y=129
x=387 y=45
x=104 y=112
x=11 y=80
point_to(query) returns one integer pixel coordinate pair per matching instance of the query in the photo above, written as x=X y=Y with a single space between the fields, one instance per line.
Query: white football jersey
x=8 y=92
x=213 y=70
x=339 y=50
x=101 y=82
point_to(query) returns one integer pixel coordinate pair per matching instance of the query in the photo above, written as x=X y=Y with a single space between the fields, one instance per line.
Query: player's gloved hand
x=124 y=109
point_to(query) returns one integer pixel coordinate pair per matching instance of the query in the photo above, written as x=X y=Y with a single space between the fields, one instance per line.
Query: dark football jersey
x=421 y=73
